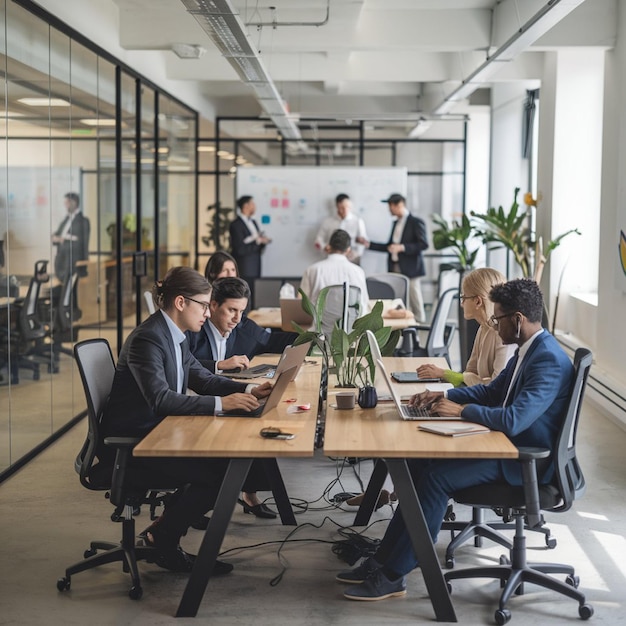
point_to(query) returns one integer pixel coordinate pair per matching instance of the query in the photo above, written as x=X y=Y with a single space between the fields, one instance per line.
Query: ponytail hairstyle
x=179 y=281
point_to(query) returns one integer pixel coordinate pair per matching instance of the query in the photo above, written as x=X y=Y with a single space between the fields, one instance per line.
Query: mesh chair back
x=343 y=305
x=569 y=476
x=97 y=369
x=438 y=341
x=29 y=324
x=67 y=312
x=398 y=282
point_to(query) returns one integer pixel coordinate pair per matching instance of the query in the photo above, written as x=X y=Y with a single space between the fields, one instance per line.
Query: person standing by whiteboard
x=247 y=242
x=346 y=220
x=405 y=246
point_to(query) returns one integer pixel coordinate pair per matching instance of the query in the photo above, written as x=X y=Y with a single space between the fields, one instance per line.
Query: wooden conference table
x=269 y=317
x=373 y=433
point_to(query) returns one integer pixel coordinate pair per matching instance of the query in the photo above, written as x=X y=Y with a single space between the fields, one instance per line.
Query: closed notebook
x=454 y=429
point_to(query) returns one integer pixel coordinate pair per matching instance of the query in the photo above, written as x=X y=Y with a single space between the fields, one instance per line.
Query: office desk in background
x=380 y=433
x=269 y=317
x=237 y=438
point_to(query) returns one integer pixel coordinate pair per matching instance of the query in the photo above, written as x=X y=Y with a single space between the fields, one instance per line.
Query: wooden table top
x=381 y=433
x=209 y=436
x=269 y=317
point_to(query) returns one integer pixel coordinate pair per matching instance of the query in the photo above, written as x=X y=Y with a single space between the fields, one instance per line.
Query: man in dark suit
x=153 y=372
x=228 y=340
x=405 y=246
x=247 y=242
x=526 y=401
x=72 y=240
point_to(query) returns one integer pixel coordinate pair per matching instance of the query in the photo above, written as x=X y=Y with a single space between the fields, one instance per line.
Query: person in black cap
x=405 y=246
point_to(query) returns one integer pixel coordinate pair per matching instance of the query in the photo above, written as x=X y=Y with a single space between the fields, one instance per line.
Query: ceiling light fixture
x=220 y=20
x=539 y=24
x=188 y=50
x=98 y=121
x=44 y=102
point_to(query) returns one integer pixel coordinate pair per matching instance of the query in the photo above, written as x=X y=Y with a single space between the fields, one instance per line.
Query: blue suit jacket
x=535 y=407
x=144 y=385
x=247 y=255
x=246 y=338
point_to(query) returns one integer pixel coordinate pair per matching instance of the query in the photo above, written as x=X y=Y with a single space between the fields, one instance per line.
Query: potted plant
x=348 y=354
x=455 y=236
x=220 y=217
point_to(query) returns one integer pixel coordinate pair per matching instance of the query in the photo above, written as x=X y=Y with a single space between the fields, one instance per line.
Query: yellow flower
x=529 y=200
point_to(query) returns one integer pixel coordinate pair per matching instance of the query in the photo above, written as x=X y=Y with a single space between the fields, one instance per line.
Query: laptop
x=269 y=403
x=292 y=356
x=291 y=311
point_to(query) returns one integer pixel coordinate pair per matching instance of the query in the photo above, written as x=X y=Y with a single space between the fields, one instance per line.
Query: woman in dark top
x=153 y=372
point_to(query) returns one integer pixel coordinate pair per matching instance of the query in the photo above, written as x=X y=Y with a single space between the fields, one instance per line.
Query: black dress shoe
x=258 y=510
x=201 y=523
x=182 y=561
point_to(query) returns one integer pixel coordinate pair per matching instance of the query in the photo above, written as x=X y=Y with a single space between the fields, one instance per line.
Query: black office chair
x=27 y=338
x=440 y=332
x=398 y=282
x=99 y=471
x=378 y=290
x=528 y=501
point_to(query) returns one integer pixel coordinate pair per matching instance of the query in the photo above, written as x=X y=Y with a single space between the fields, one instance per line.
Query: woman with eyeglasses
x=154 y=370
x=489 y=355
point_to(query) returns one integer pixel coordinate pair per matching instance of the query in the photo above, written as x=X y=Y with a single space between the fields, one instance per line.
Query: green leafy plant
x=219 y=219
x=455 y=235
x=348 y=353
x=510 y=229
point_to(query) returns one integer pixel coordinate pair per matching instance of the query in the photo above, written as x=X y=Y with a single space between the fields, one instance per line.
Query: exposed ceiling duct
x=537 y=26
x=221 y=21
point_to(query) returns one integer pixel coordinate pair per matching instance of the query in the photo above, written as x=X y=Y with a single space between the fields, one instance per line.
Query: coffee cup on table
x=345 y=399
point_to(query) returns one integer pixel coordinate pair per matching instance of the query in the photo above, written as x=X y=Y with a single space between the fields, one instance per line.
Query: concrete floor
x=48 y=520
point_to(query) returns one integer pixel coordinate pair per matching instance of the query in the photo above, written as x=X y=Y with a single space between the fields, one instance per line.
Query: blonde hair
x=479 y=282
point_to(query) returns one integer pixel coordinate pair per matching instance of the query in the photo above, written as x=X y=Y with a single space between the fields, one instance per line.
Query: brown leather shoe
x=383 y=498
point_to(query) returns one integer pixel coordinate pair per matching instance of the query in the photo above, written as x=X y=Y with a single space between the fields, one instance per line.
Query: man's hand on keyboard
x=237 y=362
x=443 y=406
x=425 y=399
x=263 y=390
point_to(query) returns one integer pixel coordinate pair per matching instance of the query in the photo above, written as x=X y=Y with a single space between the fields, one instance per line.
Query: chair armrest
x=121 y=442
x=528 y=458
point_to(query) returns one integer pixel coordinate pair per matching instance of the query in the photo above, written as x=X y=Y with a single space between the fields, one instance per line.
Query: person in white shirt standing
x=335 y=270
x=346 y=220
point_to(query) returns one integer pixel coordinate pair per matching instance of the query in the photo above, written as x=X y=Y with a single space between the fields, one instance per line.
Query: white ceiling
x=372 y=59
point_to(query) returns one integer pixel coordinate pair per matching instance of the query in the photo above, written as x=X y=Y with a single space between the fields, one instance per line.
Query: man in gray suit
x=71 y=239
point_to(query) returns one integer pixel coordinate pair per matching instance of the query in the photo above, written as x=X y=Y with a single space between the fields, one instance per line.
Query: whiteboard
x=292 y=202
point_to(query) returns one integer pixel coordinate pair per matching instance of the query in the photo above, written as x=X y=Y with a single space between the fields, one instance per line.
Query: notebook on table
x=292 y=356
x=269 y=403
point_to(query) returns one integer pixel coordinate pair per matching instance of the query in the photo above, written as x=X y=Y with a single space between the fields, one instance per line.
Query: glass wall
x=95 y=182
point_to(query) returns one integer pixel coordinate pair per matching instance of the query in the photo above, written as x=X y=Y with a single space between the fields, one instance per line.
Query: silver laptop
x=268 y=403
x=292 y=356
x=406 y=412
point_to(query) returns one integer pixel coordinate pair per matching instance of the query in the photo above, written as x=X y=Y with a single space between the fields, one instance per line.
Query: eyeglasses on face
x=494 y=320
x=204 y=305
x=463 y=297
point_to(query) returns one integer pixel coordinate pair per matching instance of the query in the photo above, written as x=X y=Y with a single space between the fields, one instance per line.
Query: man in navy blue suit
x=526 y=401
x=228 y=339
x=406 y=243
x=247 y=242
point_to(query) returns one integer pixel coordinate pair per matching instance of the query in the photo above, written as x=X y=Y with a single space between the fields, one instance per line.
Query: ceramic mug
x=368 y=398
x=345 y=399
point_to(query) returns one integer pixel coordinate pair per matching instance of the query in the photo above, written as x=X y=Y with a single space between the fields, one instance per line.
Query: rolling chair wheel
x=502 y=616
x=550 y=542
x=585 y=611
x=135 y=593
x=573 y=581
x=504 y=560
x=89 y=552
x=64 y=584
x=449 y=562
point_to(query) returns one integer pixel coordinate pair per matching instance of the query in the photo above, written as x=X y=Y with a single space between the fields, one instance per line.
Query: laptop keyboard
x=260 y=369
x=416 y=413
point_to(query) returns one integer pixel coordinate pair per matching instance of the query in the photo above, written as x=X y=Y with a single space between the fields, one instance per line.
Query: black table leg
x=213 y=536
x=280 y=493
x=370 y=497
x=420 y=538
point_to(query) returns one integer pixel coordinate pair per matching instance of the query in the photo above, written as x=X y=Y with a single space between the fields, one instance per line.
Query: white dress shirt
x=334 y=270
x=353 y=225
x=398 y=229
x=251 y=226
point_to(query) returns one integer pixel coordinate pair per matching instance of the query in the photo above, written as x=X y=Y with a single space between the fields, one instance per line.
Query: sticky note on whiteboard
x=265 y=219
